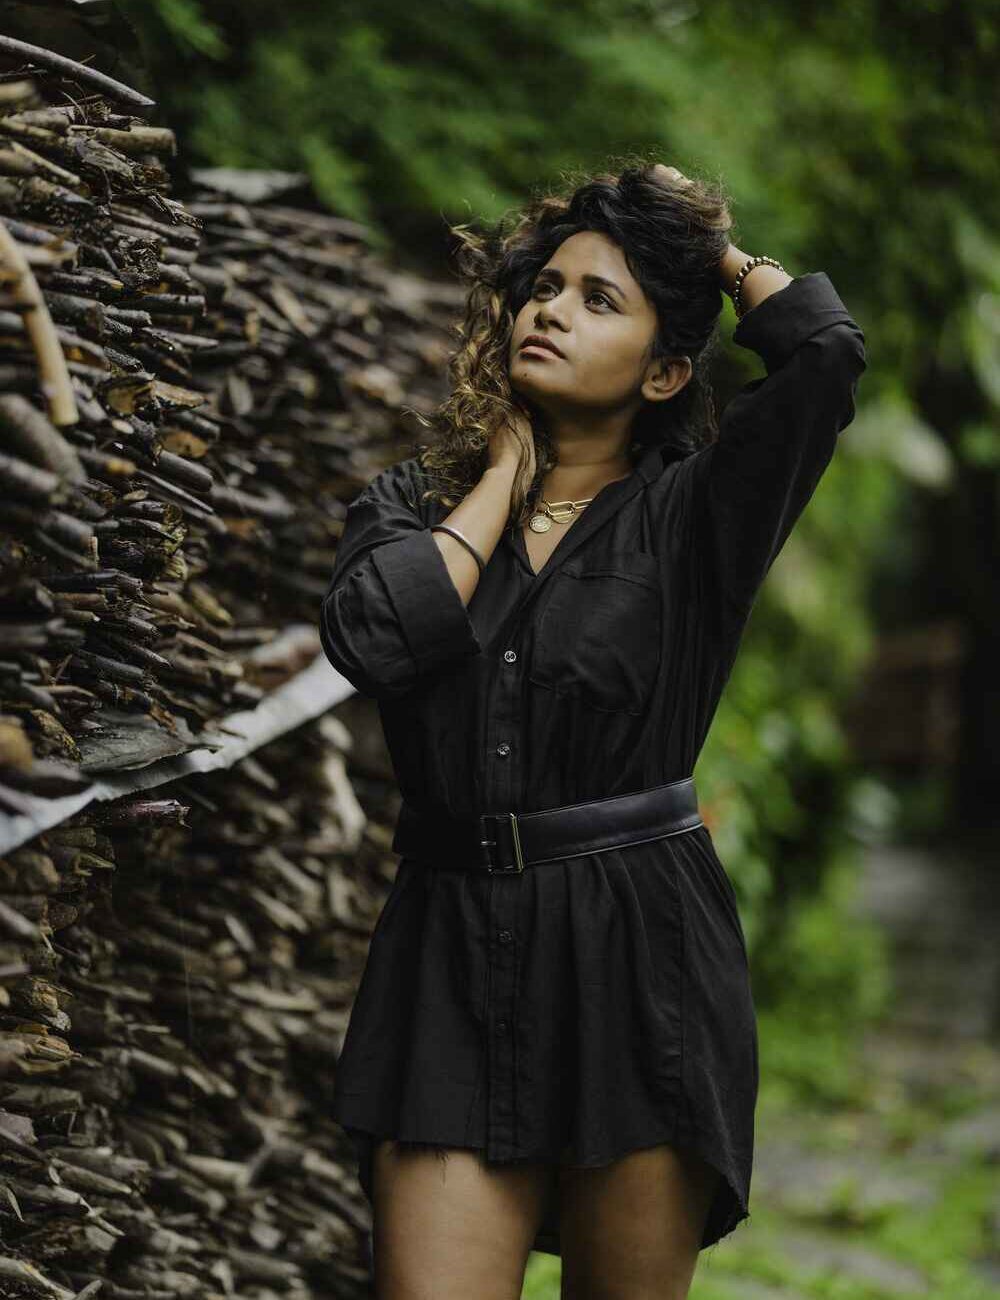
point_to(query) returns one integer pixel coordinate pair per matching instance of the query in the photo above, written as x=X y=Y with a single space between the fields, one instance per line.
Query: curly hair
x=672 y=238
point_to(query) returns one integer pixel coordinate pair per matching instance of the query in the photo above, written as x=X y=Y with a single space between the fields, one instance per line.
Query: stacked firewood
x=190 y=392
x=185 y=964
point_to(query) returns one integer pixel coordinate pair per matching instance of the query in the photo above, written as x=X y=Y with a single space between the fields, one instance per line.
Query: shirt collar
x=654 y=460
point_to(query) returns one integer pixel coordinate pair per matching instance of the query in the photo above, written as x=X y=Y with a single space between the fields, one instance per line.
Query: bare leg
x=448 y=1227
x=631 y=1230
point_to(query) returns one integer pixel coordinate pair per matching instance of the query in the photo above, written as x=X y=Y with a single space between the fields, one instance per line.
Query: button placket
x=501 y=1023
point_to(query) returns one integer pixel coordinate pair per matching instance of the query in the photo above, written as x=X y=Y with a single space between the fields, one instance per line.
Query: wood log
x=54 y=377
x=37 y=55
x=178 y=964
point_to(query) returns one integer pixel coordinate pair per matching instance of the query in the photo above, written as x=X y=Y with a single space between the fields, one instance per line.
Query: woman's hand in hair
x=513 y=444
x=674 y=179
x=669 y=176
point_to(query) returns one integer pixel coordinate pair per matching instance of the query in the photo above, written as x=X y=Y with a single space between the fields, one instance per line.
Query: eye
x=594 y=293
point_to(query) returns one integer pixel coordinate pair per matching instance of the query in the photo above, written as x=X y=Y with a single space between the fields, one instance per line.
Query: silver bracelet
x=748 y=266
x=453 y=532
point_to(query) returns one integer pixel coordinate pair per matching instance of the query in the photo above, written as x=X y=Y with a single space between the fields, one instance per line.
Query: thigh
x=632 y=1229
x=448 y=1226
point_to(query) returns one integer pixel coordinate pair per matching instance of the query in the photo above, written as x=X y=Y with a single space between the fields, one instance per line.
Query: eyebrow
x=552 y=273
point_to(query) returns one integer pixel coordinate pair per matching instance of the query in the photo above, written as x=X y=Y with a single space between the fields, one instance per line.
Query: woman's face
x=586 y=302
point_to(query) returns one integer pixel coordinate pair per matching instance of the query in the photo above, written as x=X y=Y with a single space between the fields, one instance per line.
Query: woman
x=554 y=1043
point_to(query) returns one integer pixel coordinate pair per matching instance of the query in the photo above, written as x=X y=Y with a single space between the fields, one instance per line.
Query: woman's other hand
x=513 y=445
x=722 y=219
x=669 y=176
x=673 y=178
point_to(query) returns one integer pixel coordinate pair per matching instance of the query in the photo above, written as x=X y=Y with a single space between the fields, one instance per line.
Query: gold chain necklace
x=560 y=511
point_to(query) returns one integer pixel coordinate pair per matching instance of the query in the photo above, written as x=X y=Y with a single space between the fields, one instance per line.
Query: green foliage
x=841 y=986
x=187 y=26
x=859 y=139
x=776 y=773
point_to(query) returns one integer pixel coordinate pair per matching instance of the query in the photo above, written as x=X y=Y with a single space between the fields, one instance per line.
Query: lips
x=539 y=341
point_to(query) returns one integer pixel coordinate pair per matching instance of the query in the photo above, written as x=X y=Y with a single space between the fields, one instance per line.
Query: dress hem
x=734 y=1206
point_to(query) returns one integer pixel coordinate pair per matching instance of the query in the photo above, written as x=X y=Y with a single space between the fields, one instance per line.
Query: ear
x=665 y=378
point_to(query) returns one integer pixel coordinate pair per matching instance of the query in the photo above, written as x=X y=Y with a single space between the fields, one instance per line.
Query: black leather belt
x=505 y=843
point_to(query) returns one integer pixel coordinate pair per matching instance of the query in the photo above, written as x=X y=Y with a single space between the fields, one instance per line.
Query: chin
x=530 y=381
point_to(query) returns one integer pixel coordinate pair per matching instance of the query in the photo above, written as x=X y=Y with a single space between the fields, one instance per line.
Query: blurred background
x=852 y=774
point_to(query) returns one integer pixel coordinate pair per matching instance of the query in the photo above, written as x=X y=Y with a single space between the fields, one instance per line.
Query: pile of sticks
x=190 y=393
x=178 y=974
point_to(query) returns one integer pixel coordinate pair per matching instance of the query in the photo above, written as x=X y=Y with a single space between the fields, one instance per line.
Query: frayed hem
x=406 y=1144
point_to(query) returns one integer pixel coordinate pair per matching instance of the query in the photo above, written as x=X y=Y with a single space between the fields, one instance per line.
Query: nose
x=548 y=313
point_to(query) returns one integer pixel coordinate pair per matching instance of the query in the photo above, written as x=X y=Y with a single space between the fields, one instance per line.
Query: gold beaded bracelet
x=748 y=266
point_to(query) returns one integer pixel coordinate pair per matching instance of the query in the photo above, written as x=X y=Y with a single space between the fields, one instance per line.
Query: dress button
x=502 y=1026
x=503 y=750
x=505 y=936
x=510 y=655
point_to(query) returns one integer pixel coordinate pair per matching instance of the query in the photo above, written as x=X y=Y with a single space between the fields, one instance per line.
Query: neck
x=584 y=478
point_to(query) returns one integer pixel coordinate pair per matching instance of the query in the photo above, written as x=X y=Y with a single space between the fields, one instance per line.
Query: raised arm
x=395 y=608
x=744 y=492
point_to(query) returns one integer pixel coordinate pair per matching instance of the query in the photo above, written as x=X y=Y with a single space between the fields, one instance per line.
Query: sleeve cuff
x=778 y=325
x=430 y=610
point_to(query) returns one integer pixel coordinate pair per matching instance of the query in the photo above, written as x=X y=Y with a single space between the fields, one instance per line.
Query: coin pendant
x=539 y=523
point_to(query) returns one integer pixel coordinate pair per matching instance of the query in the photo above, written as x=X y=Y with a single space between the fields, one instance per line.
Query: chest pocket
x=598 y=634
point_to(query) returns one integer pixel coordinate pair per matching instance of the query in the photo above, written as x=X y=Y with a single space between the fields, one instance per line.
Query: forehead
x=591 y=252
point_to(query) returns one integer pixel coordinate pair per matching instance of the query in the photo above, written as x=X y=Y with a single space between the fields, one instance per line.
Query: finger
x=671 y=174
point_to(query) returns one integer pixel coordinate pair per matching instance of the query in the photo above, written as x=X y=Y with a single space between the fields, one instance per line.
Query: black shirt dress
x=585 y=1008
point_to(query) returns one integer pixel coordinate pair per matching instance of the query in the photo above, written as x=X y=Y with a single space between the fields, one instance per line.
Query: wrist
x=758 y=279
x=505 y=468
x=732 y=260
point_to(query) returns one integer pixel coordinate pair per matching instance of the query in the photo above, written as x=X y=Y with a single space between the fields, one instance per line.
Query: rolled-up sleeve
x=391 y=613
x=776 y=437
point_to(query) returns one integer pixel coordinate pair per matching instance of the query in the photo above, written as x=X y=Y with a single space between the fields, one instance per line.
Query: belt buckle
x=491 y=866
